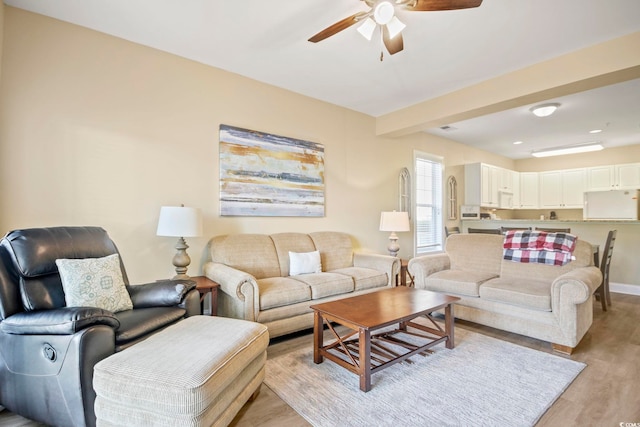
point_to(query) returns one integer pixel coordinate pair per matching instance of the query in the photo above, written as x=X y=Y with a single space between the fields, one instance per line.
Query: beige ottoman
x=198 y=372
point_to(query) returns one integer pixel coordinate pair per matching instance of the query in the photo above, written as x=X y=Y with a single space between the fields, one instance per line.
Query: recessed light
x=595 y=131
x=517 y=142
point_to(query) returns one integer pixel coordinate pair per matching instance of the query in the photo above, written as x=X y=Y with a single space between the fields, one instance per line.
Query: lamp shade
x=394 y=221
x=179 y=222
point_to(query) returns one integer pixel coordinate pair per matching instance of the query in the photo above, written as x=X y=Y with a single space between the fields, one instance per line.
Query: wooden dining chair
x=451 y=230
x=603 y=290
x=554 y=230
x=484 y=230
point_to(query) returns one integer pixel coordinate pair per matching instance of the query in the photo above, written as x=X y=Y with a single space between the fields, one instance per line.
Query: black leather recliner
x=48 y=350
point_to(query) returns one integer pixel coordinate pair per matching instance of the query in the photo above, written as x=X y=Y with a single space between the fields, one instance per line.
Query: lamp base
x=181 y=259
x=393 y=247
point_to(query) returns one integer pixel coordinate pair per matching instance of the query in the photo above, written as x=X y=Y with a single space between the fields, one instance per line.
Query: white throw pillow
x=94 y=282
x=304 y=263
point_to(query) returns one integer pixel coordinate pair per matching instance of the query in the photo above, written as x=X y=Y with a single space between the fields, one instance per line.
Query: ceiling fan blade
x=338 y=26
x=429 y=5
x=394 y=45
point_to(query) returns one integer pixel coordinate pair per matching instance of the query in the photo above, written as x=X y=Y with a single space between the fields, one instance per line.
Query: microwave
x=469 y=212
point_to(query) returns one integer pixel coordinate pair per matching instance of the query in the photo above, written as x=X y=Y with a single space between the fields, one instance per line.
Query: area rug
x=483 y=381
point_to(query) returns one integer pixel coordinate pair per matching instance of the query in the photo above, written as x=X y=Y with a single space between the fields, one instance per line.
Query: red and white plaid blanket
x=539 y=247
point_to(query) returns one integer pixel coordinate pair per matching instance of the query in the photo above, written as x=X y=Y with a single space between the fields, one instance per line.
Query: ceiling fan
x=383 y=13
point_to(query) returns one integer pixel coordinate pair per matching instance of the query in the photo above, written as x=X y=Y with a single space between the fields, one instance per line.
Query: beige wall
x=95 y=130
x=1 y=35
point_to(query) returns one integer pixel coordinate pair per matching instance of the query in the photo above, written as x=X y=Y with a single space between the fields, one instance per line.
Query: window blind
x=428 y=217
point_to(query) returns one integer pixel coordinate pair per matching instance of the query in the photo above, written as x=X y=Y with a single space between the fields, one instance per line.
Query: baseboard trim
x=624 y=288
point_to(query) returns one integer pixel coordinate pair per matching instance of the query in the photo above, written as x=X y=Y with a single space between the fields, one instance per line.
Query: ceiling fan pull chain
x=381 y=55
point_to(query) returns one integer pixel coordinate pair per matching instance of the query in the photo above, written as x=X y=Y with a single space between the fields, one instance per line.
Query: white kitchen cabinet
x=562 y=189
x=506 y=180
x=529 y=190
x=613 y=177
x=601 y=178
x=627 y=176
x=481 y=182
x=490 y=184
x=516 y=189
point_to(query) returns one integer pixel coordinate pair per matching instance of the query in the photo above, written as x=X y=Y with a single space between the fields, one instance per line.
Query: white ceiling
x=443 y=52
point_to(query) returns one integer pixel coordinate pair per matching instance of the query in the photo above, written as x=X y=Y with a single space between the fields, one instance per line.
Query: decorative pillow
x=94 y=282
x=304 y=263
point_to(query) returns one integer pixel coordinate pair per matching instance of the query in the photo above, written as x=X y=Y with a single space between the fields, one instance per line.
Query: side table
x=404 y=272
x=205 y=286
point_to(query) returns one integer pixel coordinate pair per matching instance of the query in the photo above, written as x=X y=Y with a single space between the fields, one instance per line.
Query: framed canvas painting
x=269 y=175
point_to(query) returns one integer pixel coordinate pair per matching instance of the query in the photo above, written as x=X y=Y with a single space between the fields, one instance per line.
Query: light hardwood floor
x=606 y=393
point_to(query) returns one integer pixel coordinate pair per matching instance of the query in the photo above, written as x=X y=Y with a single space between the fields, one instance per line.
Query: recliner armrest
x=163 y=293
x=60 y=321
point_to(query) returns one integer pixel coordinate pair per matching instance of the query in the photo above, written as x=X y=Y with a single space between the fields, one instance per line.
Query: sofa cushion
x=528 y=293
x=458 y=281
x=326 y=284
x=336 y=249
x=290 y=242
x=251 y=253
x=364 y=278
x=480 y=253
x=279 y=291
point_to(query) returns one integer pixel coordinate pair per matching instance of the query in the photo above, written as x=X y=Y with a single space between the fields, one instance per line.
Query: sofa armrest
x=61 y=321
x=163 y=293
x=574 y=287
x=239 y=295
x=385 y=263
x=424 y=266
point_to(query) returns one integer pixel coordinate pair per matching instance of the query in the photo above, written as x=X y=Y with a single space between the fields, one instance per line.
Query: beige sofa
x=253 y=273
x=547 y=302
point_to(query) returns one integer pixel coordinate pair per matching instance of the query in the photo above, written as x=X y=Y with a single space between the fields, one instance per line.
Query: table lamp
x=180 y=222
x=394 y=221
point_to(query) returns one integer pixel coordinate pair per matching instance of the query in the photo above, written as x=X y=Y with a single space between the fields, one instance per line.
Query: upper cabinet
x=529 y=190
x=489 y=186
x=481 y=185
x=494 y=187
x=613 y=177
x=562 y=189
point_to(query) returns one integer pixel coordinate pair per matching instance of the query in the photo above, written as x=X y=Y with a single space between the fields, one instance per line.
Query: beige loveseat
x=253 y=273
x=547 y=302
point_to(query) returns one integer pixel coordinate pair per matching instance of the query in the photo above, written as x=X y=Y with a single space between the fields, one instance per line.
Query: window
x=428 y=213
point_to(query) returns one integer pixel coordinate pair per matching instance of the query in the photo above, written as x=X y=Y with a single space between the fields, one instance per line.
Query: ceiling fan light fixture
x=544 y=110
x=395 y=27
x=571 y=149
x=367 y=28
x=384 y=12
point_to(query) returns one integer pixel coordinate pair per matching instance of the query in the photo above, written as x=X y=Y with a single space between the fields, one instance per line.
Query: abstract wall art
x=269 y=175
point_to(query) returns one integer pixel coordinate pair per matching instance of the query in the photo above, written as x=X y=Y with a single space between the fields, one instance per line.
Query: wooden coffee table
x=368 y=353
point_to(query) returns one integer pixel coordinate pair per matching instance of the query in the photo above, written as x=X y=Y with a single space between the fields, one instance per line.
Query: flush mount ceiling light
x=382 y=13
x=544 y=110
x=571 y=149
